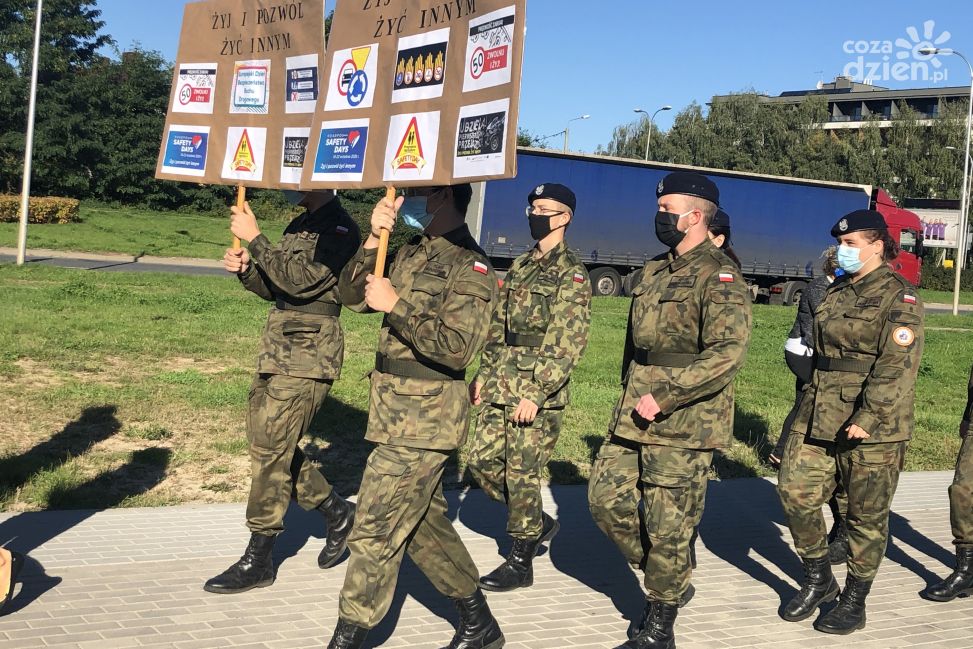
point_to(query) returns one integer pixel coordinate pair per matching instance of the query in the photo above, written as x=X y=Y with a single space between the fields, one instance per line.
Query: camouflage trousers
x=961 y=495
x=508 y=461
x=671 y=485
x=869 y=474
x=401 y=508
x=280 y=412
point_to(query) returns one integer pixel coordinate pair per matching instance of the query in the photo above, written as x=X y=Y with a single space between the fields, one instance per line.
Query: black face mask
x=540 y=226
x=666 y=230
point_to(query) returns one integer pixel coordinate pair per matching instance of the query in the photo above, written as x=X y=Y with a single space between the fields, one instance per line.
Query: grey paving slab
x=133 y=577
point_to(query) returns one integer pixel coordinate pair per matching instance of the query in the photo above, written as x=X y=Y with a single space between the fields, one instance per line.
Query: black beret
x=857 y=221
x=690 y=184
x=555 y=192
x=720 y=220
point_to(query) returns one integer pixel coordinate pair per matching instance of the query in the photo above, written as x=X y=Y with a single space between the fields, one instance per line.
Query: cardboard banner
x=418 y=92
x=245 y=87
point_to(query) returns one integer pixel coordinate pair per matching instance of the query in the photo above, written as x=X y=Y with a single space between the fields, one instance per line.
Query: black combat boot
x=518 y=571
x=635 y=627
x=477 y=629
x=838 y=546
x=657 y=632
x=849 y=615
x=347 y=636
x=255 y=569
x=819 y=587
x=958 y=584
x=339 y=515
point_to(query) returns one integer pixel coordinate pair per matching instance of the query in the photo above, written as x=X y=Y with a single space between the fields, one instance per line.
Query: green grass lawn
x=945 y=297
x=124 y=389
x=135 y=232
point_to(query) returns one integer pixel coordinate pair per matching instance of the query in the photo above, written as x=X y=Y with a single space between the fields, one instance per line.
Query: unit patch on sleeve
x=903 y=336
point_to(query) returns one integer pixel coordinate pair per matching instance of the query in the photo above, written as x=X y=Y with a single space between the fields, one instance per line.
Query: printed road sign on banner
x=246 y=83
x=196 y=88
x=341 y=151
x=418 y=92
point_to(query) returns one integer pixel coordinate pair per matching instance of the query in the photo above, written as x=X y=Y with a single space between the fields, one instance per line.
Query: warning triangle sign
x=243 y=158
x=360 y=56
x=409 y=154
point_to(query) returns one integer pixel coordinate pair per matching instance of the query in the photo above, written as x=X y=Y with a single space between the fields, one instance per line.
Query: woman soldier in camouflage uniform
x=856 y=417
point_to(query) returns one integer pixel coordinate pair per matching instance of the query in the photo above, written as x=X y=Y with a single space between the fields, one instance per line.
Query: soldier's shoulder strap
x=571 y=260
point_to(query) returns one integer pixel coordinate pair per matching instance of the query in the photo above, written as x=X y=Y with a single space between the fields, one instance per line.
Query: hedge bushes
x=43 y=209
x=937 y=278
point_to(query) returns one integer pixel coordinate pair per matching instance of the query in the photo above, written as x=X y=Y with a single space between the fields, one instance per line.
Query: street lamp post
x=29 y=144
x=965 y=200
x=648 y=138
x=567 y=129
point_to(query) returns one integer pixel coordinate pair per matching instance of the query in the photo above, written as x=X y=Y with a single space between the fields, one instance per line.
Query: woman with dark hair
x=719 y=234
x=855 y=421
x=799 y=356
x=799 y=349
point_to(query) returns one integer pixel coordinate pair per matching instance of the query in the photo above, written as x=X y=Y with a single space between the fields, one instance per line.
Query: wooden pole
x=383 y=240
x=241 y=198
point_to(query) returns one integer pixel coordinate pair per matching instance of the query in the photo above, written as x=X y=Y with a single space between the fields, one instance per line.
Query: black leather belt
x=522 y=340
x=826 y=364
x=415 y=370
x=663 y=359
x=314 y=308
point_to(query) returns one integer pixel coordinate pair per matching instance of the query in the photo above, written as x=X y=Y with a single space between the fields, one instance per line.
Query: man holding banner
x=437 y=300
x=301 y=353
x=423 y=96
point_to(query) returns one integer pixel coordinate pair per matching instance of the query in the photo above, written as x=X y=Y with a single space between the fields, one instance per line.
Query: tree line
x=100 y=119
x=909 y=158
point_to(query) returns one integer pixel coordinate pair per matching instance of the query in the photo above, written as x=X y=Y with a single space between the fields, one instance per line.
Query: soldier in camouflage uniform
x=856 y=417
x=437 y=300
x=960 y=582
x=688 y=332
x=538 y=333
x=301 y=352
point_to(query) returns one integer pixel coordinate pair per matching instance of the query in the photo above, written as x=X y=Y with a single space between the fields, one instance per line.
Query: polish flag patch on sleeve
x=480 y=267
x=342 y=230
x=726 y=277
x=578 y=278
x=909 y=299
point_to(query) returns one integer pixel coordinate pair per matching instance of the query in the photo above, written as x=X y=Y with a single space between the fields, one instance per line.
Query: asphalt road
x=122 y=265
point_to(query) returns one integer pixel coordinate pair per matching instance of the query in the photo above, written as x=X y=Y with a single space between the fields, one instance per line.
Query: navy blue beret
x=857 y=221
x=688 y=183
x=555 y=192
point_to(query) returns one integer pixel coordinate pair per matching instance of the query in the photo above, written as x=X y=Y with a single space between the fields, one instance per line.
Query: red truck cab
x=906 y=229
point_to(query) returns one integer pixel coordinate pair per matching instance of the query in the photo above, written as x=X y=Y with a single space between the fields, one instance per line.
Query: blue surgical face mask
x=414 y=212
x=849 y=259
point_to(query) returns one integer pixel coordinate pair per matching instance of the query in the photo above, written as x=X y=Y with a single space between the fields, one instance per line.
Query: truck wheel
x=606 y=281
x=792 y=292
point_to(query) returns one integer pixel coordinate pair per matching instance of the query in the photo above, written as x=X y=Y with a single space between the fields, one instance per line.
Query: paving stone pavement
x=133 y=577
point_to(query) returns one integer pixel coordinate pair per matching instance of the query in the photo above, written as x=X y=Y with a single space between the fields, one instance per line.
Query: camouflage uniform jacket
x=873 y=328
x=539 y=330
x=446 y=290
x=300 y=274
x=691 y=315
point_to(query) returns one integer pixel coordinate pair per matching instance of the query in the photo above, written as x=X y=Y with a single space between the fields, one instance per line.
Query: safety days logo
x=186 y=149
x=341 y=151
